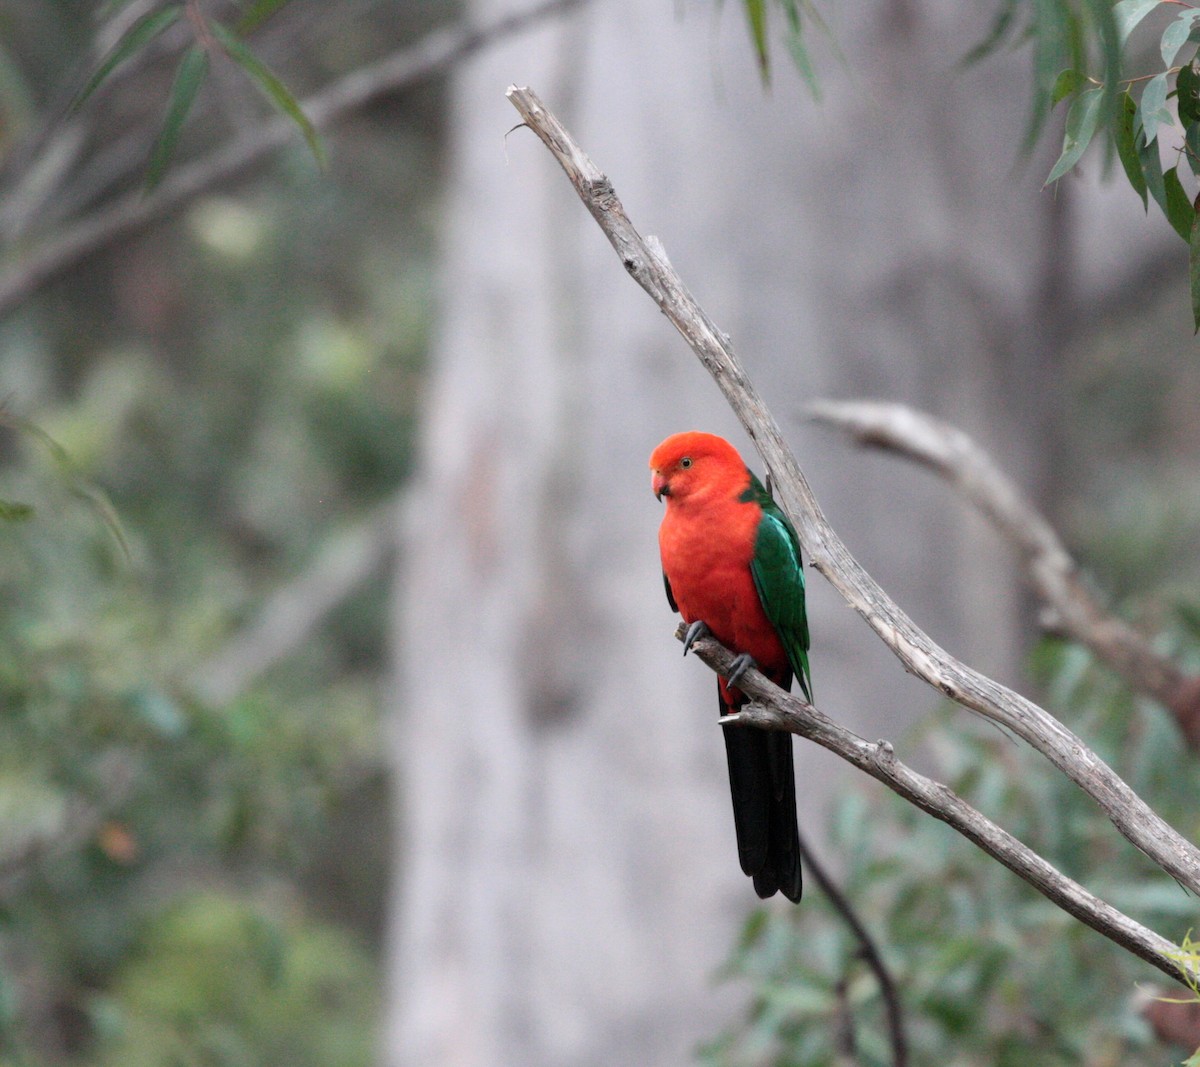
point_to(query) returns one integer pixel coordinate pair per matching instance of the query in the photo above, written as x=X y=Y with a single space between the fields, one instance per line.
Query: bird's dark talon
x=739 y=667
x=695 y=631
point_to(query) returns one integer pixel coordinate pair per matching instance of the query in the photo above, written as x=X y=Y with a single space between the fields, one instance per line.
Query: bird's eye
x=686 y=462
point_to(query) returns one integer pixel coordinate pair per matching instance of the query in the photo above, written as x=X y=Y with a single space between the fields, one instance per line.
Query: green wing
x=779 y=578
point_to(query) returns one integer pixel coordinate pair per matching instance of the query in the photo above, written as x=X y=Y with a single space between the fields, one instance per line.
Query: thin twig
x=893 y=1007
x=645 y=260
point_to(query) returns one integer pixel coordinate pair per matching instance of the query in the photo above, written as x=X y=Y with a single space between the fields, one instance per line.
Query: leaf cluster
x=209 y=36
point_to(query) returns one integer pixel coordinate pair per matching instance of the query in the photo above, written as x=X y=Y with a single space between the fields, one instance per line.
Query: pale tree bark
x=567 y=881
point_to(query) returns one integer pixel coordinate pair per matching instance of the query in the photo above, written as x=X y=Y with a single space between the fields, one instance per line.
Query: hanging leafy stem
x=209 y=37
x=1077 y=48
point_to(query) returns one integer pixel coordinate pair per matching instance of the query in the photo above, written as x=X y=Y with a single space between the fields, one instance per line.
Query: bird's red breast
x=706 y=541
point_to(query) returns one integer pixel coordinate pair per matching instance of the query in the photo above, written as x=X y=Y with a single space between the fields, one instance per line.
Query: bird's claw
x=740 y=665
x=695 y=630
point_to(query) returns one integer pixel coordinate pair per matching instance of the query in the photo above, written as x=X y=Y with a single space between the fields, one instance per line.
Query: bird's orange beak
x=659 y=484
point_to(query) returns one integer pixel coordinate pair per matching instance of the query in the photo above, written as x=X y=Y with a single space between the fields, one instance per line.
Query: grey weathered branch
x=774 y=709
x=433 y=54
x=1051 y=571
x=919 y=654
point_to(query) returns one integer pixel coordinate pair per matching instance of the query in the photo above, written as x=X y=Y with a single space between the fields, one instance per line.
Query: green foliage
x=237 y=385
x=989 y=972
x=218 y=979
x=797 y=15
x=192 y=70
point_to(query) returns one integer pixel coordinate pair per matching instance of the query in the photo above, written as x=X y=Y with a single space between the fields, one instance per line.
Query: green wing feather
x=778 y=572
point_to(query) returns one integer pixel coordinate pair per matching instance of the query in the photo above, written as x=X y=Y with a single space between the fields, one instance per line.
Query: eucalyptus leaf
x=756 y=16
x=272 y=87
x=188 y=79
x=1152 y=171
x=1128 y=13
x=1123 y=138
x=1179 y=210
x=257 y=13
x=1176 y=34
x=1187 y=93
x=1191 y=144
x=1081 y=127
x=1152 y=110
x=1065 y=84
x=140 y=34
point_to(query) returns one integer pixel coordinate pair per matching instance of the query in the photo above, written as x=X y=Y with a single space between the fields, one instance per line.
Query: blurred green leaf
x=14 y=511
x=1175 y=36
x=1067 y=83
x=1180 y=212
x=1128 y=13
x=1152 y=170
x=188 y=79
x=756 y=18
x=1082 y=120
x=140 y=34
x=1004 y=22
x=258 y=12
x=1152 y=108
x=1123 y=137
x=275 y=90
x=1187 y=94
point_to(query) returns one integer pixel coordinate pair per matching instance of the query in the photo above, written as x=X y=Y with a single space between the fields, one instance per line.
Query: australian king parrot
x=732 y=568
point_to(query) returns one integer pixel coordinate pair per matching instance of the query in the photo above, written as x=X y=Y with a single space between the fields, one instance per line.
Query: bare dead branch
x=774 y=709
x=649 y=266
x=954 y=456
x=433 y=54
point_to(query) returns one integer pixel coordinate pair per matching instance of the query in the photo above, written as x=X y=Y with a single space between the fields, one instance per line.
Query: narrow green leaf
x=14 y=511
x=256 y=14
x=1179 y=210
x=138 y=35
x=756 y=16
x=1123 y=138
x=1191 y=146
x=1176 y=34
x=1194 y=270
x=274 y=89
x=188 y=79
x=994 y=38
x=799 y=52
x=1152 y=110
x=1081 y=127
x=1152 y=171
x=1187 y=94
x=1129 y=13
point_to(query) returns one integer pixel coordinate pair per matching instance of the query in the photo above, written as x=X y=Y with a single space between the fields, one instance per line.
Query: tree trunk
x=567 y=881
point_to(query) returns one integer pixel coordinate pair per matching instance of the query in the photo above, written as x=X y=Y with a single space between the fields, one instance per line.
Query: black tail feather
x=762 y=784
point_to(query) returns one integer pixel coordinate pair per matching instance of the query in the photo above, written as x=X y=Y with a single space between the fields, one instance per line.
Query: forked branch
x=645 y=260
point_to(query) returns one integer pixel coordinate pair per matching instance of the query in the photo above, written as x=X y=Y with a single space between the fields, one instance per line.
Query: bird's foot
x=695 y=630
x=740 y=665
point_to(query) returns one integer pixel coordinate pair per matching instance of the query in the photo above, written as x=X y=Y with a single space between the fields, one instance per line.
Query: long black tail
x=762 y=782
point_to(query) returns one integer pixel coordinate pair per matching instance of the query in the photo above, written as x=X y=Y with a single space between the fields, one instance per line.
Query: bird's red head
x=687 y=463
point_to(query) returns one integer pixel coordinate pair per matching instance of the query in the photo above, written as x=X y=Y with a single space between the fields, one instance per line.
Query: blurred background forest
x=340 y=716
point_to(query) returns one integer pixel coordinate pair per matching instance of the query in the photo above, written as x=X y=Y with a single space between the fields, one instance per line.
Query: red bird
x=732 y=568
